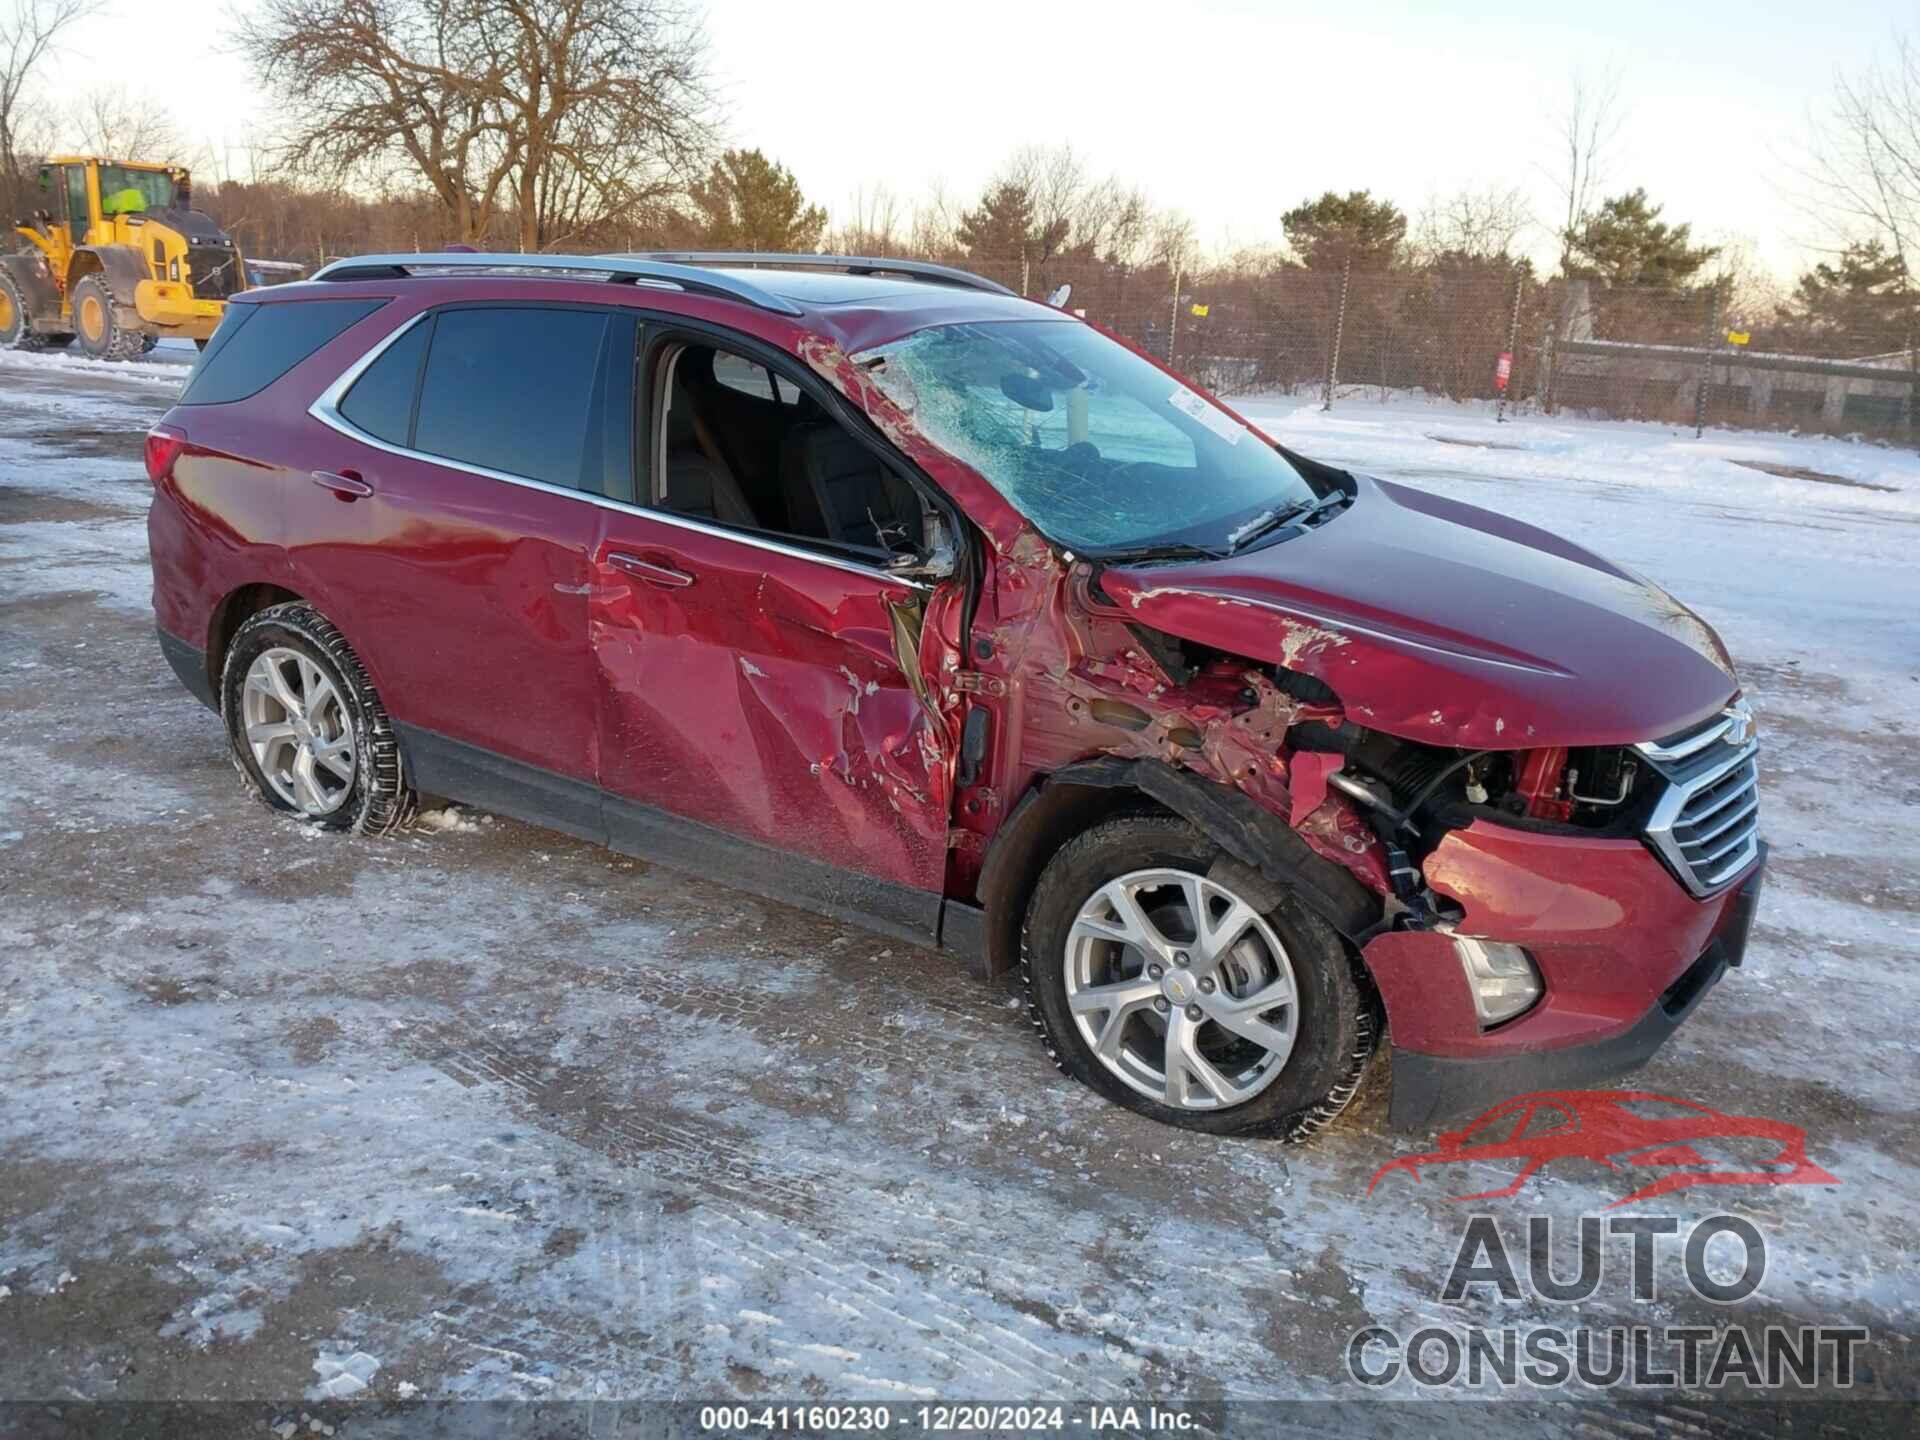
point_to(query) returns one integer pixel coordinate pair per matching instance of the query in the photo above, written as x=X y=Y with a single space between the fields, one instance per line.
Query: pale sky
x=1231 y=112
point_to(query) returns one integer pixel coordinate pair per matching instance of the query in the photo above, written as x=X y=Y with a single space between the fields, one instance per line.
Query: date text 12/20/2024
x=944 y=1419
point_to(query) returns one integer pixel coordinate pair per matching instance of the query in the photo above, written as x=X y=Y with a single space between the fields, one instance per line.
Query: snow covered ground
x=487 y=1112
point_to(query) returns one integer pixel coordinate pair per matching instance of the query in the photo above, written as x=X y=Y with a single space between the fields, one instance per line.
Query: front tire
x=102 y=333
x=1185 y=987
x=309 y=735
x=16 y=325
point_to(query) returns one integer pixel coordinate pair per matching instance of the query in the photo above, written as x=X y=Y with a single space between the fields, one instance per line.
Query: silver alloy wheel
x=299 y=731
x=1181 y=989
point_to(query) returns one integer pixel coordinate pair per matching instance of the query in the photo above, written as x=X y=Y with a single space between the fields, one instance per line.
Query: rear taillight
x=164 y=444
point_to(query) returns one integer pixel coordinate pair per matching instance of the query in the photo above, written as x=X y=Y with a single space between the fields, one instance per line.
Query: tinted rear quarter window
x=258 y=342
x=510 y=389
x=381 y=400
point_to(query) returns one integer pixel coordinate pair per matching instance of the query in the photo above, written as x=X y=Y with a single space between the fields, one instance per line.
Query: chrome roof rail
x=852 y=264
x=617 y=269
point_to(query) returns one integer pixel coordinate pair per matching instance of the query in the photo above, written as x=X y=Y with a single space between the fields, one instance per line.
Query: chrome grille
x=1706 y=823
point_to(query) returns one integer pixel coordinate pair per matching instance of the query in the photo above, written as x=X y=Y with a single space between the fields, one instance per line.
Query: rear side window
x=381 y=400
x=258 y=343
x=511 y=389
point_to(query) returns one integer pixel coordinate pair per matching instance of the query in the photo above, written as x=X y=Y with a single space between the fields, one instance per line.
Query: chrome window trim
x=1667 y=811
x=326 y=409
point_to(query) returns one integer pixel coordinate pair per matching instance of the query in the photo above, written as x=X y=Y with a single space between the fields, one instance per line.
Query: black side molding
x=477 y=776
x=189 y=662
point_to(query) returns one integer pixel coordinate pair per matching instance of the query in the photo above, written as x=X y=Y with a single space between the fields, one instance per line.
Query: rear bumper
x=1624 y=952
x=189 y=662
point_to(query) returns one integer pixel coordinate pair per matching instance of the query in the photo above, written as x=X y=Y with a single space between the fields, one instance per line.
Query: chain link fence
x=1485 y=330
x=1460 y=328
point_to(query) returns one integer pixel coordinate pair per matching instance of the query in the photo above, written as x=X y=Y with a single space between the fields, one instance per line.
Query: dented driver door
x=753 y=691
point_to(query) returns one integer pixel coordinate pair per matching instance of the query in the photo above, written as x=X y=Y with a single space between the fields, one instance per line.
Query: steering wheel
x=1082 y=458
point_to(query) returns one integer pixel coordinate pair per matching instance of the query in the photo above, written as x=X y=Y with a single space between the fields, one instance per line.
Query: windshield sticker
x=1215 y=419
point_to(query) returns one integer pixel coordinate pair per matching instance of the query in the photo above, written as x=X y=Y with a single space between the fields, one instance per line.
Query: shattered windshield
x=1100 y=449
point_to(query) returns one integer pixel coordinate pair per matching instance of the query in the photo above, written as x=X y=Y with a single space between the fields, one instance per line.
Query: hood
x=192 y=224
x=1448 y=624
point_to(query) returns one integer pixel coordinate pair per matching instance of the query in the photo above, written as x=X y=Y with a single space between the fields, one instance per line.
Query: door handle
x=650 y=571
x=347 y=485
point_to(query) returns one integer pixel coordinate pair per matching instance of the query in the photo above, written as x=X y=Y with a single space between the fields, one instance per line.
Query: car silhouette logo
x=1676 y=1144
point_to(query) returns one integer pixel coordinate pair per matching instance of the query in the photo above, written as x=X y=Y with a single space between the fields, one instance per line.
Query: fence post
x=1339 y=325
x=1173 y=319
x=1025 y=263
x=1546 y=364
x=1706 y=376
x=1513 y=338
x=1910 y=418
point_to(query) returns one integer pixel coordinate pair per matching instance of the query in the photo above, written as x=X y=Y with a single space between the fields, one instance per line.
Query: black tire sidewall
x=117 y=341
x=1331 y=1010
x=20 y=334
x=86 y=285
x=290 y=627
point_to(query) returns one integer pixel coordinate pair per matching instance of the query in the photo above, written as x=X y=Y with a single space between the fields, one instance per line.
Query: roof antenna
x=1061 y=293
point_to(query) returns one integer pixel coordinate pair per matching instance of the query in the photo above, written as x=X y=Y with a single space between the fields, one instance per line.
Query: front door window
x=739 y=446
x=77 y=202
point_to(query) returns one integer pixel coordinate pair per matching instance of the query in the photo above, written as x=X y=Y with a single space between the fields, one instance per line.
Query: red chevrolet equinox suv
x=872 y=587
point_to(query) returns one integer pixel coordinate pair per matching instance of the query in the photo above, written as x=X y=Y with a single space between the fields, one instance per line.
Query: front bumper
x=171 y=305
x=1624 y=952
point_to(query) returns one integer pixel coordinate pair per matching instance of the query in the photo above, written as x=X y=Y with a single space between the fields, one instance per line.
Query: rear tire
x=308 y=733
x=98 y=323
x=1283 y=1069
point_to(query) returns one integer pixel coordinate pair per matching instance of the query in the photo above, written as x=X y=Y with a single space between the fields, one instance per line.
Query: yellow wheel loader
x=118 y=259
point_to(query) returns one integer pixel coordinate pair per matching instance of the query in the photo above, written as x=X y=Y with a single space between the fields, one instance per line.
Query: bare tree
x=1074 y=210
x=567 y=113
x=608 y=107
x=369 y=89
x=871 y=225
x=936 y=219
x=1583 y=131
x=30 y=31
x=1483 y=223
x=1865 y=161
x=1749 y=292
x=114 y=121
x=1172 y=241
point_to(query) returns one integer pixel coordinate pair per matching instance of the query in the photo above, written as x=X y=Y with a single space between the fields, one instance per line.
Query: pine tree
x=748 y=202
x=1324 y=233
x=1003 y=227
x=1625 y=242
x=1859 y=306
